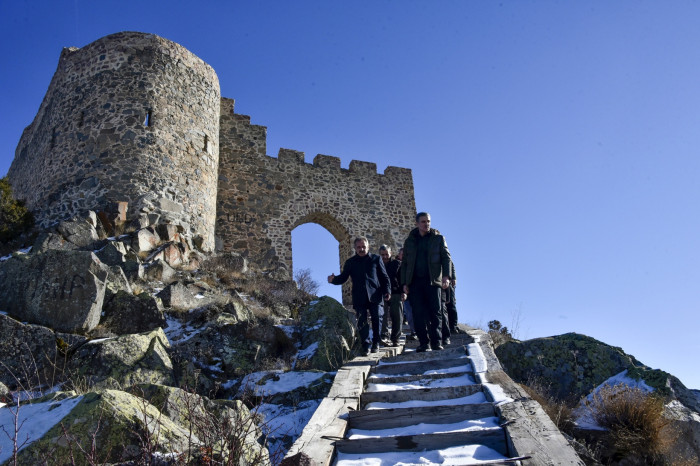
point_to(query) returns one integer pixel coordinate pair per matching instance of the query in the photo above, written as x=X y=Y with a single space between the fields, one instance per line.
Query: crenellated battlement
x=165 y=141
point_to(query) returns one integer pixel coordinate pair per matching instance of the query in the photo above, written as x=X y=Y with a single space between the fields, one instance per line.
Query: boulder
x=571 y=364
x=178 y=296
x=116 y=281
x=119 y=422
x=174 y=254
x=168 y=232
x=114 y=253
x=123 y=361
x=145 y=240
x=160 y=271
x=686 y=425
x=127 y=313
x=80 y=231
x=47 y=240
x=327 y=335
x=63 y=290
x=28 y=354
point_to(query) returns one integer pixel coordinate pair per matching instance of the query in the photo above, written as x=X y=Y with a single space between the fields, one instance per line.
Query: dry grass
x=635 y=422
x=560 y=412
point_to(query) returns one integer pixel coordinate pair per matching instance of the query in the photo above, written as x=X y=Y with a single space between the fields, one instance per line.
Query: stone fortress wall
x=262 y=199
x=130 y=117
x=134 y=117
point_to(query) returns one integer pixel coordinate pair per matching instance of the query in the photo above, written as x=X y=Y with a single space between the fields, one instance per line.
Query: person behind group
x=425 y=272
x=393 y=307
x=407 y=312
x=451 y=304
x=370 y=284
x=449 y=321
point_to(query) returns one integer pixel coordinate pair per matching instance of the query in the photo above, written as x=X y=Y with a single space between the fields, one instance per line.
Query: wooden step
x=415 y=377
x=492 y=438
x=420 y=367
x=373 y=419
x=424 y=394
x=448 y=353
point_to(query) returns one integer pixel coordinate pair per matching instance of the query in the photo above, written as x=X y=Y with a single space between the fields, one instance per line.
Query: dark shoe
x=422 y=349
x=364 y=352
x=375 y=347
x=412 y=337
x=457 y=330
x=438 y=348
x=446 y=341
x=394 y=344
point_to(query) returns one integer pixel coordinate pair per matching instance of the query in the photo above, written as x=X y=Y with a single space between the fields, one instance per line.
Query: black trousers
x=427 y=311
x=364 y=311
x=452 y=307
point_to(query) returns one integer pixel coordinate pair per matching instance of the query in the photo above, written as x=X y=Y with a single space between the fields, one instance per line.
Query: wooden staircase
x=454 y=406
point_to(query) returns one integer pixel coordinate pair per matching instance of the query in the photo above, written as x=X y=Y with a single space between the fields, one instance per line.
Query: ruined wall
x=262 y=199
x=130 y=117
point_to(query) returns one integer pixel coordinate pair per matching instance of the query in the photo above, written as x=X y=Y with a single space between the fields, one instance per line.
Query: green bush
x=14 y=216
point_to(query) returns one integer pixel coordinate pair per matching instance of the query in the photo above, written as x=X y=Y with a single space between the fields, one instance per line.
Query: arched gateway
x=262 y=199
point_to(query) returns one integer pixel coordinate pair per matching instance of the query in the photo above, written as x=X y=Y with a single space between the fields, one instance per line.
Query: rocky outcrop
x=125 y=426
x=29 y=356
x=60 y=289
x=128 y=313
x=124 y=361
x=571 y=365
x=327 y=335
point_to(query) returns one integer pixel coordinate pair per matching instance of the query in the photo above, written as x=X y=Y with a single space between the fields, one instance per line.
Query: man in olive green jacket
x=425 y=272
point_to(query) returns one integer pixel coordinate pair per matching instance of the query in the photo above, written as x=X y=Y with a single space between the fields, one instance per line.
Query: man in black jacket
x=394 y=307
x=370 y=284
x=425 y=272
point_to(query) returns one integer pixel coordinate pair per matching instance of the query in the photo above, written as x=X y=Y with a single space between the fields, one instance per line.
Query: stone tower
x=134 y=117
x=130 y=117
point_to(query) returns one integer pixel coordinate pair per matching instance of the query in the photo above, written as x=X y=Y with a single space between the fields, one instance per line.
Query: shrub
x=499 y=334
x=634 y=420
x=14 y=216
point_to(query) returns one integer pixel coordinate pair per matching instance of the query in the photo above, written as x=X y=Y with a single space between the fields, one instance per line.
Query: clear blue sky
x=555 y=143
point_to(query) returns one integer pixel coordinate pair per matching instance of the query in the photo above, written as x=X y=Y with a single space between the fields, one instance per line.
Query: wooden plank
x=492 y=438
x=413 y=378
x=349 y=382
x=531 y=432
x=317 y=438
x=419 y=367
x=373 y=419
x=424 y=394
x=452 y=352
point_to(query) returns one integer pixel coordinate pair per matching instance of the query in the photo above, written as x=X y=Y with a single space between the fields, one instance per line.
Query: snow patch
x=464 y=400
x=280 y=382
x=467 y=454
x=36 y=419
x=424 y=428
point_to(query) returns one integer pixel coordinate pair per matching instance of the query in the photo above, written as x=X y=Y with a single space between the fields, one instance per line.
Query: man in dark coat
x=394 y=307
x=370 y=285
x=425 y=272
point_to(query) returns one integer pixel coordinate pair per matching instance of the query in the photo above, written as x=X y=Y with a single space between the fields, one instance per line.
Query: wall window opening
x=147 y=119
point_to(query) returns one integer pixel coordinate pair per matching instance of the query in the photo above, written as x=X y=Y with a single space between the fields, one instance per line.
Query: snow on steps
x=378 y=398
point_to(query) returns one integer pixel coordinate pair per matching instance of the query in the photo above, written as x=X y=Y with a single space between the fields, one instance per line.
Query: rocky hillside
x=146 y=344
x=571 y=367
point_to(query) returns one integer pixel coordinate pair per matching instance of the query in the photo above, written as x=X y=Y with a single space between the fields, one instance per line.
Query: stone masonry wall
x=130 y=117
x=134 y=117
x=262 y=199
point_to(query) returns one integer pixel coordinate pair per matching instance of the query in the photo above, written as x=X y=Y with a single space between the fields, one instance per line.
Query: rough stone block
x=63 y=290
x=60 y=289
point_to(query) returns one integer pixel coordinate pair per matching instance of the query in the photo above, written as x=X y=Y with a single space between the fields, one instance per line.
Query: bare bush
x=499 y=334
x=305 y=282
